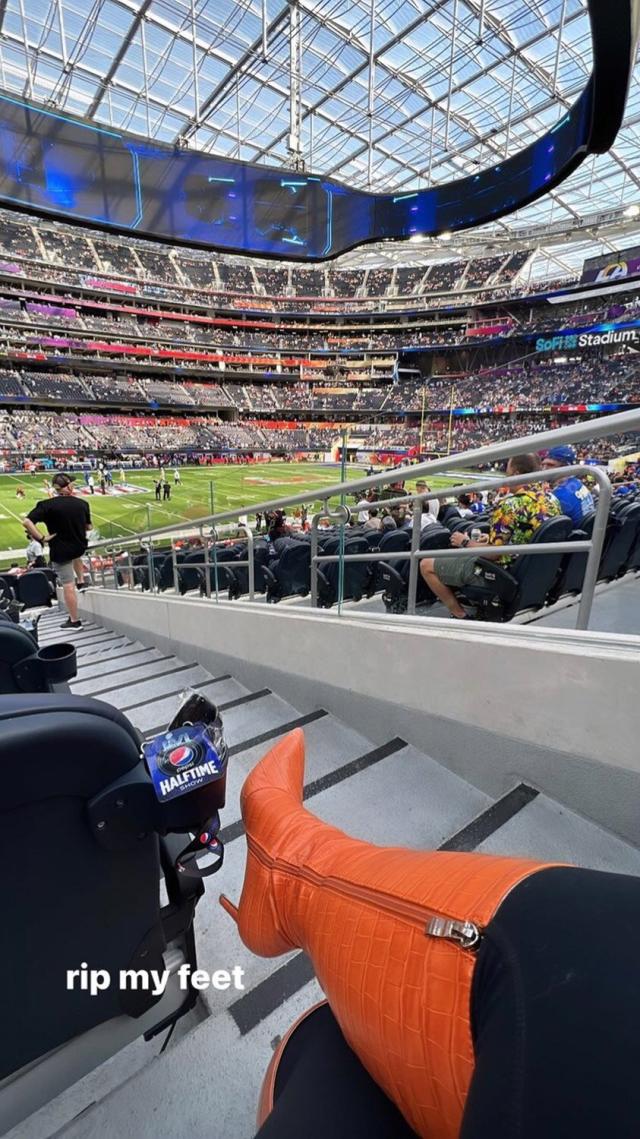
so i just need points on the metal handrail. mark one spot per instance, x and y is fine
(591, 428)
(248, 562)
(593, 545)
(341, 515)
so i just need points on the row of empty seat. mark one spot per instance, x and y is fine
(282, 569)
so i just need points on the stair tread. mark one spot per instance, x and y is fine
(111, 678)
(546, 829)
(156, 715)
(405, 799)
(108, 643)
(175, 1082)
(128, 659)
(134, 697)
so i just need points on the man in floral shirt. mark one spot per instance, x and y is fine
(514, 521)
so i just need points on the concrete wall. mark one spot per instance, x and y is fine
(496, 704)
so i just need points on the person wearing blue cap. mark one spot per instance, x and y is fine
(575, 499)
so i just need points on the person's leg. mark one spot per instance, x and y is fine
(555, 1011)
(78, 569)
(443, 592)
(322, 1091)
(67, 582)
(70, 595)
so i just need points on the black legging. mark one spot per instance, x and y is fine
(555, 1020)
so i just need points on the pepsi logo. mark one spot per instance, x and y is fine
(180, 757)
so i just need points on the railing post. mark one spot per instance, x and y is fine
(151, 568)
(130, 569)
(250, 568)
(174, 567)
(341, 515)
(205, 554)
(595, 553)
(214, 535)
(414, 564)
(114, 567)
(314, 553)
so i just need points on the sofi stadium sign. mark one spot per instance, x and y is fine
(590, 338)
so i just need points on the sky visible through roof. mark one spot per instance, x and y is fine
(394, 93)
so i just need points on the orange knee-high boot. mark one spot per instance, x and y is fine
(391, 934)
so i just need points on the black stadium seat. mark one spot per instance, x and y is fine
(26, 668)
(389, 541)
(6, 587)
(85, 890)
(572, 570)
(633, 561)
(618, 550)
(290, 574)
(355, 578)
(534, 576)
(394, 577)
(448, 516)
(240, 574)
(34, 589)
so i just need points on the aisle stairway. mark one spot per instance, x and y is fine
(386, 791)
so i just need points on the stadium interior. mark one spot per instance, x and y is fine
(286, 449)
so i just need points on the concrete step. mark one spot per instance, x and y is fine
(111, 679)
(129, 659)
(151, 718)
(106, 643)
(71, 636)
(111, 651)
(546, 829)
(213, 1073)
(405, 799)
(136, 696)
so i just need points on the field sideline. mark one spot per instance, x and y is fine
(122, 515)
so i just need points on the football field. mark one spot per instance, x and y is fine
(202, 491)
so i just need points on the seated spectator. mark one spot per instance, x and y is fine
(363, 505)
(576, 500)
(514, 521)
(400, 517)
(374, 521)
(429, 509)
(278, 527)
(464, 506)
(35, 554)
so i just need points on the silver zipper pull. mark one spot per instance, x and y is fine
(464, 933)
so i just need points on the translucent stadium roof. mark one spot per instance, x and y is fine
(379, 93)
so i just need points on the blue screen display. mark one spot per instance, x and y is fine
(55, 164)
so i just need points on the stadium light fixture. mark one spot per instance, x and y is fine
(445, 235)
(632, 211)
(418, 237)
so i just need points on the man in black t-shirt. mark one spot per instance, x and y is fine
(68, 520)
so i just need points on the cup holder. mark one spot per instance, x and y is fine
(59, 662)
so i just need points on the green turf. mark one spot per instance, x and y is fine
(121, 516)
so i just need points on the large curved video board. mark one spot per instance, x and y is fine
(55, 164)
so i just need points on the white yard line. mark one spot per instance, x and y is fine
(111, 522)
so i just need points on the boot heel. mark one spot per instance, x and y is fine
(229, 907)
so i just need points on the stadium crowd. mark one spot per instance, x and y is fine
(36, 246)
(30, 433)
(524, 386)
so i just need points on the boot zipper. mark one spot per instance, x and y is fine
(464, 933)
